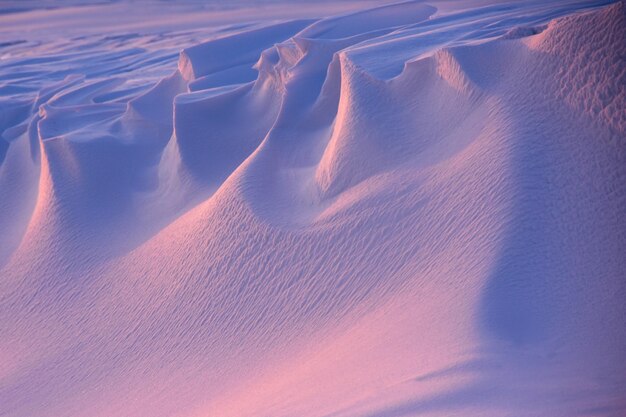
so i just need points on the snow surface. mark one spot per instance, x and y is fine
(347, 209)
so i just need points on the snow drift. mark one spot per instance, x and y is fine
(410, 209)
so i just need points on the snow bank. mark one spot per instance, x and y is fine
(409, 209)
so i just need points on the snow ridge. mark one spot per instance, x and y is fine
(399, 210)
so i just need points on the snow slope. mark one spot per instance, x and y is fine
(330, 209)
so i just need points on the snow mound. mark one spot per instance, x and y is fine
(408, 209)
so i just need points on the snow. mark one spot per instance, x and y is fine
(348, 209)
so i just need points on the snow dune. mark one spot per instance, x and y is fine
(319, 210)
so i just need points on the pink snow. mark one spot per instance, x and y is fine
(312, 209)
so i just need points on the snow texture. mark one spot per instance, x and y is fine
(347, 209)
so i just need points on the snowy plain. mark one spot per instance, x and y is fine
(312, 208)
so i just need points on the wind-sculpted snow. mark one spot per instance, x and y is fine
(411, 209)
